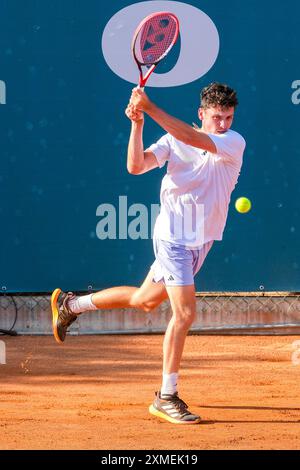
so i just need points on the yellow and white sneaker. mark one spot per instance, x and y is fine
(62, 316)
(173, 409)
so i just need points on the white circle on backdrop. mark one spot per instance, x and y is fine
(199, 43)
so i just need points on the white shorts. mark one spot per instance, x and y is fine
(176, 265)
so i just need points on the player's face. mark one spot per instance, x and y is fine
(216, 120)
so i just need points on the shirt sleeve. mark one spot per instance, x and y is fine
(161, 150)
(230, 146)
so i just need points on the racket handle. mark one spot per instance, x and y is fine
(141, 87)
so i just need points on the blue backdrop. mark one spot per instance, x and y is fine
(64, 135)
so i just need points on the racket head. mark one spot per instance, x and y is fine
(153, 39)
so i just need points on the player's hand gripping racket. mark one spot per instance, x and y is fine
(153, 40)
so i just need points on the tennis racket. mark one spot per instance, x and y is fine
(152, 41)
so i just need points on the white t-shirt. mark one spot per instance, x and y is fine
(195, 192)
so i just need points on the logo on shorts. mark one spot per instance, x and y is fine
(171, 278)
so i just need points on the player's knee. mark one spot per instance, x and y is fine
(139, 302)
(185, 318)
(146, 306)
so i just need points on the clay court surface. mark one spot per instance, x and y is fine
(94, 391)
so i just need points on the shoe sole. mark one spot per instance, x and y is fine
(159, 414)
(54, 309)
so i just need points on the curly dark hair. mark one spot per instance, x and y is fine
(218, 94)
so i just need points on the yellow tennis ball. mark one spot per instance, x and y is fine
(243, 205)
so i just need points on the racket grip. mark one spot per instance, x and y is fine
(141, 87)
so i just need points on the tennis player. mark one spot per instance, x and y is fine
(203, 168)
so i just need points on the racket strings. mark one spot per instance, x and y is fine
(155, 38)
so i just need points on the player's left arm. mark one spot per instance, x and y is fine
(177, 128)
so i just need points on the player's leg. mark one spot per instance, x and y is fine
(146, 297)
(66, 306)
(167, 404)
(183, 304)
(178, 267)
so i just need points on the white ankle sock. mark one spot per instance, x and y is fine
(169, 384)
(82, 304)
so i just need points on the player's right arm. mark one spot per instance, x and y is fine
(138, 160)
